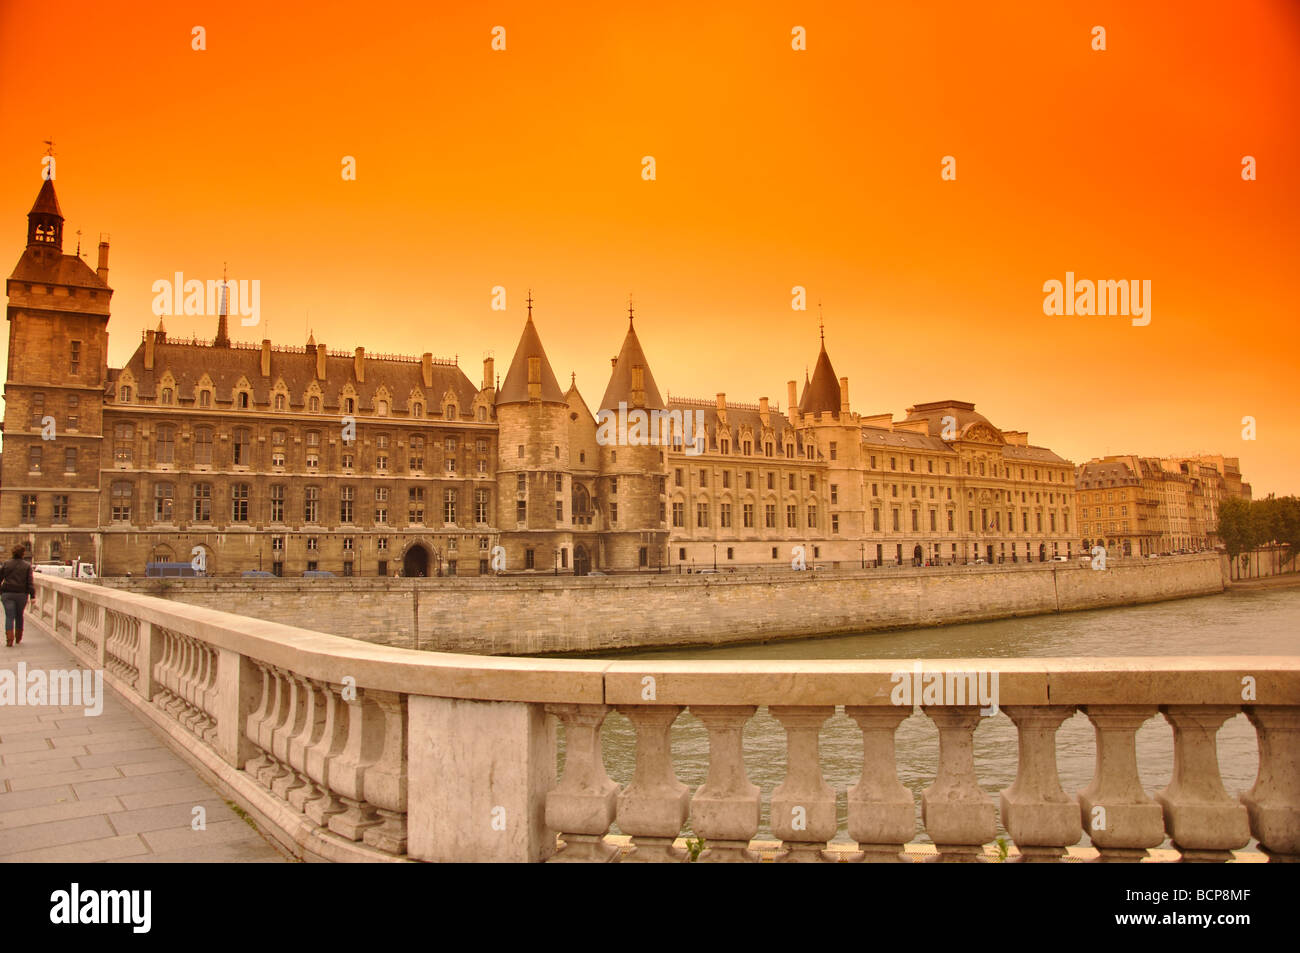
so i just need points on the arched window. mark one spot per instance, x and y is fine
(167, 396)
(482, 414)
(314, 405)
(280, 402)
(205, 398)
(242, 400)
(450, 412)
(125, 394)
(381, 408)
(349, 405)
(417, 409)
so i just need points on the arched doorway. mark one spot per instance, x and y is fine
(918, 555)
(581, 561)
(415, 564)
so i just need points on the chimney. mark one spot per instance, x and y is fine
(488, 366)
(426, 368)
(844, 396)
(534, 378)
(102, 270)
(792, 397)
(266, 357)
(148, 344)
(763, 413)
(359, 365)
(638, 385)
(722, 402)
(320, 362)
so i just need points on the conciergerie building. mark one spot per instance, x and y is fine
(288, 458)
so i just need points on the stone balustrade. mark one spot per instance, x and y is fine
(351, 751)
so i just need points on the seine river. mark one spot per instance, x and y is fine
(1241, 623)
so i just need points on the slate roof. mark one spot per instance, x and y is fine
(620, 381)
(823, 393)
(188, 362)
(514, 390)
(738, 417)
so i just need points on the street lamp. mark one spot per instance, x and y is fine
(715, 557)
(862, 553)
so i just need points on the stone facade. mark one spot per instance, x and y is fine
(286, 459)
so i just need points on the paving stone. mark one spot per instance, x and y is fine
(55, 833)
(218, 832)
(193, 792)
(231, 853)
(58, 812)
(86, 852)
(36, 768)
(144, 768)
(130, 756)
(64, 777)
(168, 816)
(37, 796)
(46, 754)
(119, 785)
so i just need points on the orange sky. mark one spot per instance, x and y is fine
(775, 168)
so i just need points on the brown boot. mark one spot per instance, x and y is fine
(9, 639)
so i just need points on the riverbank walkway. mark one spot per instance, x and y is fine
(84, 788)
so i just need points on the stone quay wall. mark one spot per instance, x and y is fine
(535, 615)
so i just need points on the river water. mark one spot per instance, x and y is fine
(1234, 623)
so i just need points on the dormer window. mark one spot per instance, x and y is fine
(205, 398)
(242, 400)
(166, 396)
(417, 409)
(450, 412)
(313, 405)
(125, 394)
(381, 408)
(349, 405)
(280, 402)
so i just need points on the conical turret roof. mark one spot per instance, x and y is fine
(515, 388)
(823, 393)
(620, 382)
(47, 203)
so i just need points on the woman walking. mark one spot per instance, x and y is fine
(17, 582)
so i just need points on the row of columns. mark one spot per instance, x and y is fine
(1121, 821)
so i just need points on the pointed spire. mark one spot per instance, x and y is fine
(524, 372)
(45, 220)
(223, 331)
(822, 393)
(632, 370)
(629, 309)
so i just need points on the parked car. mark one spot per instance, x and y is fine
(316, 574)
(258, 574)
(597, 572)
(1060, 559)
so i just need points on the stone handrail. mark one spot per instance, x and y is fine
(346, 750)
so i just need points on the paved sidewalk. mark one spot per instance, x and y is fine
(78, 789)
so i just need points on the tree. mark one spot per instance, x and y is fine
(1236, 526)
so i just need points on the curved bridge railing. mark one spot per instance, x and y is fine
(351, 751)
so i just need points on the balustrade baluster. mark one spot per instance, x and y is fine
(1121, 821)
(1203, 822)
(1040, 817)
(365, 725)
(293, 725)
(803, 814)
(313, 722)
(655, 805)
(882, 812)
(255, 725)
(321, 755)
(1273, 803)
(957, 814)
(582, 806)
(725, 808)
(386, 777)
